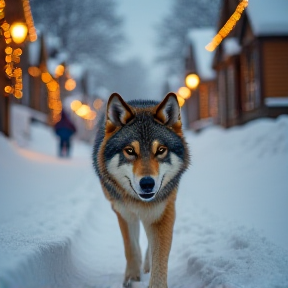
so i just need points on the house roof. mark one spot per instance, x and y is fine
(268, 17)
(199, 38)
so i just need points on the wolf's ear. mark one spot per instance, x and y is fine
(168, 111)
(118, 112)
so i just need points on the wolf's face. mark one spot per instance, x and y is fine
(146, 153)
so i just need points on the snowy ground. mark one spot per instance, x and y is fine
(57, 229)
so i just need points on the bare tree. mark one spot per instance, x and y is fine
(90, 29)
(172, 30)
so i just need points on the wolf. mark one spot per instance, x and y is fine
(139, 156)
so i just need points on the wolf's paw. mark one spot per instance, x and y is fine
(131, 274)
(128, 281)
(146, 268)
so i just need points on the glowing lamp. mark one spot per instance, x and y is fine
(18, 32)
(192, 81)
(184, 92)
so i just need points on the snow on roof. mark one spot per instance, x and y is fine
(268, 17)
(199, 38)
(231, 46)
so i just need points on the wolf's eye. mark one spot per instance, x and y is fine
(161, 150)
(130, 151)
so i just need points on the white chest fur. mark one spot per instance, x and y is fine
(148, 214)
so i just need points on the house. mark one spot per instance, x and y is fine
(13, 13)
(201, 107)
(45, 55)
(252, 63)
(37, 96)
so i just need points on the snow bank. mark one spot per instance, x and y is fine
(43, 201)
(58, 230)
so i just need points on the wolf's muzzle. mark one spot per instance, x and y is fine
(147, 184)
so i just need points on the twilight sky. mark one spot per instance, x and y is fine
(141, 17)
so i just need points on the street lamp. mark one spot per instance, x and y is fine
(18, 32)
(192, 81)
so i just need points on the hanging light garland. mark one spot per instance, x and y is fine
(12, 57)
(29, 20)
(229, 25)
(54, 100)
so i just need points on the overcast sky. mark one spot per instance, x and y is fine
(140, 19)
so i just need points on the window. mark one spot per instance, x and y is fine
(251, 98)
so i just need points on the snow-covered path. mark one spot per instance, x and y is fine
(57, 229)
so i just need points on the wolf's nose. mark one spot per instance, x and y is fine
(147, 184)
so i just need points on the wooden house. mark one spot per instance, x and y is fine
(37, 63)
(252, 63)
(201, 107)
(14, 12)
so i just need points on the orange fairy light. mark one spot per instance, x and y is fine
(97, 104)
(229, 25)
(29, 20)
(70, 84)
(9, 89)
(18, 93)
(52, 85)
(59, 71)
(184, 92)
(46, 77)
(91, 115)
(34, 71)
(75, 105)
(83, 110)
(181, 101)
(8, 50)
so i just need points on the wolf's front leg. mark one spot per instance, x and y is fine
(130, 230)
(160, 239)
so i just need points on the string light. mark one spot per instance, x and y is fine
(29, 20)
(59, 71)
(181, 101)
(229, 25)
(184, 92)
(70, 84)
(97, 104)
(34, 71)
(2, 6)
(12, 56)
(54, 99)
(75, 105)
